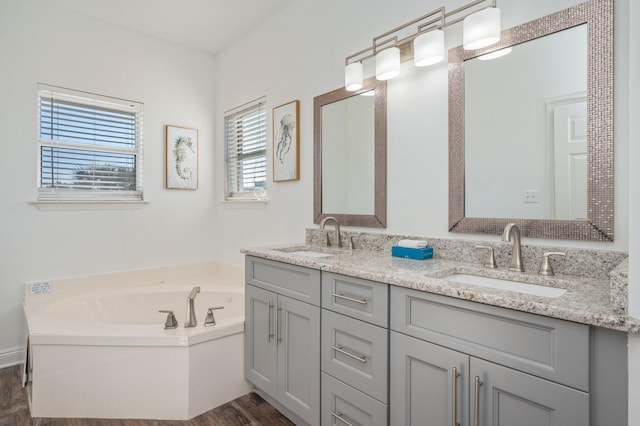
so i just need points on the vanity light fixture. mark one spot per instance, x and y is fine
(481, 28)
(428, 48)
(388, 63)
(353, 76)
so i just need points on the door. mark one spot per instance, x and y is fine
(429, 383)
(259, 338)
(506, 397)
(570, 160)
(298, 336)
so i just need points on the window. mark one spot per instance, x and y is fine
(90, 147)
(246, 152)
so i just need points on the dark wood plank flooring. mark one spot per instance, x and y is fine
(248, 410)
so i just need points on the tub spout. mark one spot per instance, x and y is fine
(191, 320)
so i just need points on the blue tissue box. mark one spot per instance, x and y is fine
(412, 253)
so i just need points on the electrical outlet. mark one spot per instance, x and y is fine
(530, 196)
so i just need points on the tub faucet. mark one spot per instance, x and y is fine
(191, 320)
(516, 254)
(337, 226)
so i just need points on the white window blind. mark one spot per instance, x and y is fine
(246, 151)
(90, 147)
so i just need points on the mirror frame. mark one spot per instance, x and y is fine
(379, 217)
(598, 15)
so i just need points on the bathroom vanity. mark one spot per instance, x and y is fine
(337, 336)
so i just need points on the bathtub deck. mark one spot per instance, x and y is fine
(247, 410)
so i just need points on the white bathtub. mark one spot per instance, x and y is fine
(98, 347)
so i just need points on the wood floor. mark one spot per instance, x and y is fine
(247, 410)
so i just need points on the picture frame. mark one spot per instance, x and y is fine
(182, 157)
(286, 142)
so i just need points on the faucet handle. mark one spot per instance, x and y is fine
(171, 321)
(490, 261)
(545, 267)
(210, 320)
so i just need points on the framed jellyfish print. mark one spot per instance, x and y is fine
(182, 157)
(286, 142)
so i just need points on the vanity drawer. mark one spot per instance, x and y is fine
(341, 404)
(550, 348)
(357, 298)
(294, 281)
(356, 352)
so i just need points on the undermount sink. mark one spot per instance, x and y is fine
(309, 253)
(500, 284)
(306, 252)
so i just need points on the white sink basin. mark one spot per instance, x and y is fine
(532, 289)
(309, 253)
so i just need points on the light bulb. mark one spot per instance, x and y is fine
(388, 63)
(428, 48)
(481, 29)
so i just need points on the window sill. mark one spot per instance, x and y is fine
(88, 205)
(248, 202)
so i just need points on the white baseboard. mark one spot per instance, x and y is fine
(12, 356)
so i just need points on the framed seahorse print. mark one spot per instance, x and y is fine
(286, 142)
(182, 157)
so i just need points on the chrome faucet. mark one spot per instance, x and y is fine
(516, 255)
(337, 226)
(191, 320)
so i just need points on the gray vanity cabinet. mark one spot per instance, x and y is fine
(282, 336)
(453, 361)
(354, 348)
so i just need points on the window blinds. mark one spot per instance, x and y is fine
(90, 147)
(246, 145)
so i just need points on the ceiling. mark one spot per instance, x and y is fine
(206, 25)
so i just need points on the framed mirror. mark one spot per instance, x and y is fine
(531, 132)
(350, 155)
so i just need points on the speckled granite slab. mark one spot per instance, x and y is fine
(579, 262)
(588, 299)
(619, 282)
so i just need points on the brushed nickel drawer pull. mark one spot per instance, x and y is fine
(269, 321)
(454, 396)
(476, 402)
(362, 359)
(350, 299)
(278, 325)
(339, 417)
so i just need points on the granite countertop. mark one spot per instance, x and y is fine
(586, 301)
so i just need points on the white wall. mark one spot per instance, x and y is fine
(41, 43)
(300, 53)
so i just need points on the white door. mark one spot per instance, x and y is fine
(570, 160)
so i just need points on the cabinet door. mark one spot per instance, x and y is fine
(424, 390)
(259, 338)
(506, 397)
(298, 335)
